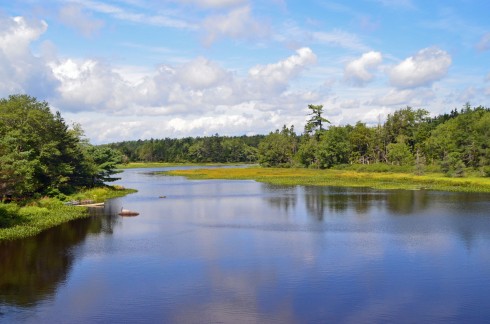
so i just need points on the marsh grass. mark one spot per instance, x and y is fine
(23, 221)
(143, 165)
(343, 178)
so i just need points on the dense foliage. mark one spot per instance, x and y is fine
(218, 149)
(41, 155)
(409, 138)
(453, 142)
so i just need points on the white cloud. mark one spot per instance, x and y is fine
(484, 43)
(469, 94)
(359, 72)
(20, 70)
(274, 78)
(404, 97)
(73, 16)
(196, 89)
(160, 19)
(424, 68)
(237, 24)
(90, 85)
(201, 74)
(341, 39)
(350, 103)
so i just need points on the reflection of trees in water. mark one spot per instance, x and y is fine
(405, 202)
(320, 200)
(31, 269)
(284, 197)
(472, 222)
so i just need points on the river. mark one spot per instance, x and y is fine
(215, 251)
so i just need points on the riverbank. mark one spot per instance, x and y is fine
(23, 221)
(146, 165)
(342, 178)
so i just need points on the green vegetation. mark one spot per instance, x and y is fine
(41, 156)
(451, 143)
(18, 221)
(211, 149)
(456, 144)
(342, 178)
(43, 162)
(143, 165)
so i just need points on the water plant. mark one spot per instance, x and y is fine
(343, 178)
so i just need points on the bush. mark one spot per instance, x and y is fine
(375, 167)
(9, 215)
(486, 171)
(452, 165)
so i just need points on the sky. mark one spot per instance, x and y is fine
(141, 69)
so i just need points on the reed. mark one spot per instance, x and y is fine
(143, 165)
(342, 178)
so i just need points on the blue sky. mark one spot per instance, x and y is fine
(138, 69)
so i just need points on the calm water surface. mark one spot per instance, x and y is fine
(245, 252)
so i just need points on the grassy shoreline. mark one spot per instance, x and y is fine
(144, 165)
(343, 178)
(18, 222)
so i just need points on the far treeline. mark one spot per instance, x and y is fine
(41, 156)
(452, 143)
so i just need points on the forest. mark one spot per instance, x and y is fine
(451, 143)
(40, 155)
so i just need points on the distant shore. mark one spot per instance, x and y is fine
(145, 165)
(342, 178)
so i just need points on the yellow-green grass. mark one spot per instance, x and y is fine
(145, 165)
(341, 178)
(22, 221)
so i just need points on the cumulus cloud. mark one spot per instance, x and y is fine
(237, 24)
(359, 72)
(484, 43)
(422, 69)
(72, 15)
(192, 98)
(201, 74)
(194, 88)
(20, 69)
(274, 78)
(90, 85)
(397, 97)
(350, 103)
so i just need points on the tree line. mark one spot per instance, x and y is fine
(41, 155)
(209, 149)
(409, 137)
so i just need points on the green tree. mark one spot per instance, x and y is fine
(360, 138)
(278, 148)
(334, 147)
(468, 134)
(39, 153)
(316, 121)
(399, 153)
